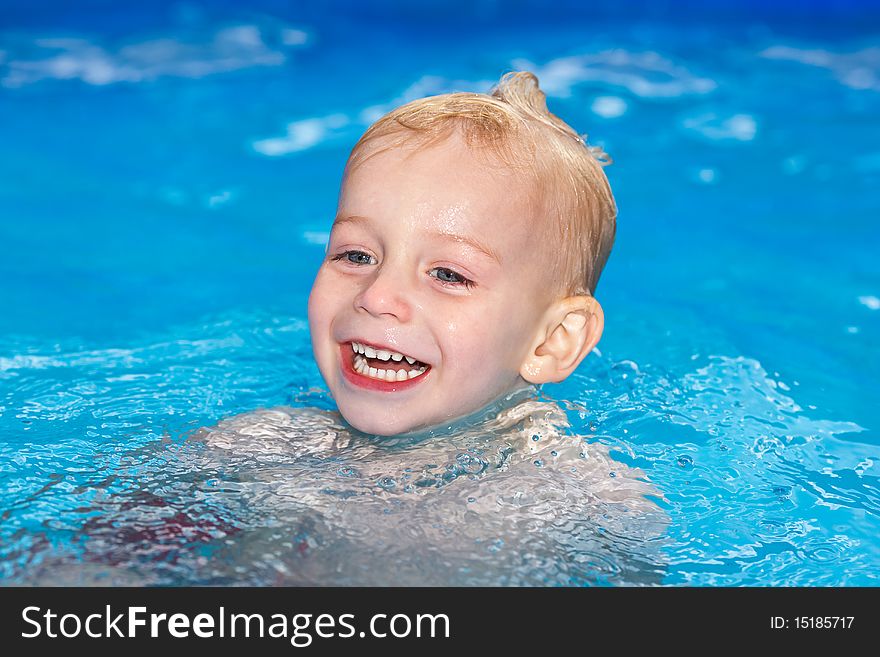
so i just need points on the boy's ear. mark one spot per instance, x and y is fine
(568, 332)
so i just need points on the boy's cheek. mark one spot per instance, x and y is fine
(320, 303)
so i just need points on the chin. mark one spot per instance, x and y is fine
(377, 426)
(388, 426)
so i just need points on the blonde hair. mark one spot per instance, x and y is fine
(513, 124)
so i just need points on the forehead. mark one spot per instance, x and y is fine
(445, 187)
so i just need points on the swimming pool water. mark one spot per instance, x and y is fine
(168, 174)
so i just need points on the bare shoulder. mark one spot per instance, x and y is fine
(544, 435)
(277, 429)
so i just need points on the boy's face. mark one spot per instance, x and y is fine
(409, 231)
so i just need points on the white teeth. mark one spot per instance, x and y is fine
(361, 367)
(381, 354)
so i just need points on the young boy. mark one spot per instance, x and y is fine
(470, 235)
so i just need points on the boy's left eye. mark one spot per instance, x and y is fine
(449, 277)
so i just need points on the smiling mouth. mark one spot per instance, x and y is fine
(385, 365)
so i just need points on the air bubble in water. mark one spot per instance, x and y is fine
(387, 483)
(347, 471)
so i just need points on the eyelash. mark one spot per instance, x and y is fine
(464, 282)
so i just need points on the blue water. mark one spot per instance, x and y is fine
(168, 173)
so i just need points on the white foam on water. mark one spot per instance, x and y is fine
(857, 70)
(320, 238)
(713, 389)
(101, 358)
(220, 198)
(645, 74)
(228, 49)
(609, 107)
(302, 135)
(707, 176)
(870, 301)
(738, 127)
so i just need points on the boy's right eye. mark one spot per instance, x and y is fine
(354, 257)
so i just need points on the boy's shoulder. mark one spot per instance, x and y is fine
(544, 435)
(281, 429)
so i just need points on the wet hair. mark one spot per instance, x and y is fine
(512, 127)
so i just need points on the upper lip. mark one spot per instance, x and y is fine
(376, 345)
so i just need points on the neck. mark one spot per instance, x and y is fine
(472, 420)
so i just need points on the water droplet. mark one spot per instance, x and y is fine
(539, 462)
(723, 448)
(685, 461)
(612, 474)
(347, 471)
(554, 453)
(472, 499)
(624, 374)
(536, 437)
(470, 464)
(387, 483)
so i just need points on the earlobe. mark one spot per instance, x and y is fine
(570, 330)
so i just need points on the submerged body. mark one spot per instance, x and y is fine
(503, 497)
(295, 496)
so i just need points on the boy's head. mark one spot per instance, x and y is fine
(470, 234)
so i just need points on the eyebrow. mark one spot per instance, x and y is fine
(444, 235)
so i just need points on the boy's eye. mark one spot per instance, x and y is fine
(449, 277)
(355, 257)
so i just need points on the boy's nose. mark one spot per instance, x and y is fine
(385, 294)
